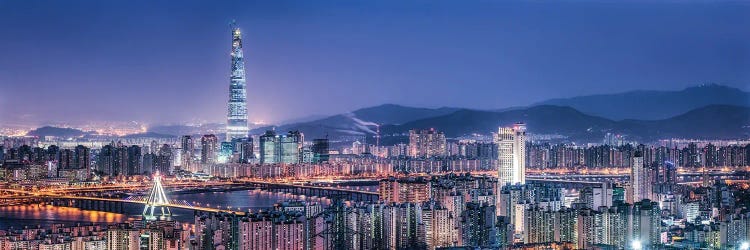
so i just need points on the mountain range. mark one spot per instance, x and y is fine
(362, 121)
(705, 112)
(56, 131)
(652, 104)
(710, 122)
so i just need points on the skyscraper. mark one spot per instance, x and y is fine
(105, 160)
(511, 144)
(83, 158)
(208, 149)
(237, 110)
(320, 150)
(135, 162)
(120, 160)
(66, 159)
(276, 148)
(188, 146)
(244, 148)
(638, 179)
(163, 161)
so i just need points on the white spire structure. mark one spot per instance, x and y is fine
(157, 199)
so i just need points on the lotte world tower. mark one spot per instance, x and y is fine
(237, 110)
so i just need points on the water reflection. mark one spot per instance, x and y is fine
(244, 200)
(34, 215)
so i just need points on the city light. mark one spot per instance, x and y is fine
(158, 136)
(637, 245)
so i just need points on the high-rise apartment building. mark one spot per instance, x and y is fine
(478, 225)
(404, 189)
(83, 157)
(149, 161)
(426, 143)
(164, 159)
(638, 178)
(105, 160)
(646, 223)
(511, 144)
(134, 160)
(66, 159)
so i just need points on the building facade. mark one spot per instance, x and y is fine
(237, 110)
(426, 143)
(287, 148)
(209, 145)
(511, 144)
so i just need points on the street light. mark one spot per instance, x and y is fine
(637, 245)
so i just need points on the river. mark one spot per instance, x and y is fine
(244, 200)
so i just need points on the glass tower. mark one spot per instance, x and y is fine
(237, 110)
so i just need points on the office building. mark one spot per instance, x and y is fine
(285, 148)
(320, 150)
(237, 110)
(187, 148)
(511, 144)
(209, 146)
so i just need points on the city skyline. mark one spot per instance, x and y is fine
(429, 125)
(292, 59)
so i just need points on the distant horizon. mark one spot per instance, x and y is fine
(79, 61)
(319, 116)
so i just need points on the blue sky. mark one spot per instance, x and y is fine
(168, 61)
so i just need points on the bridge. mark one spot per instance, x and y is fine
(566, 183)
(115, 205)
(156, 200)
(312, 190)
(136, 187)
(682, 178)
(582, 178)
(292, 188)
(78, 196)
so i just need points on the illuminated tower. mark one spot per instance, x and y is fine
(638, 179)
(511, 145)
(157, 199)
(237, 110)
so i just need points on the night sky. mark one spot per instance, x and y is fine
(168, 61)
